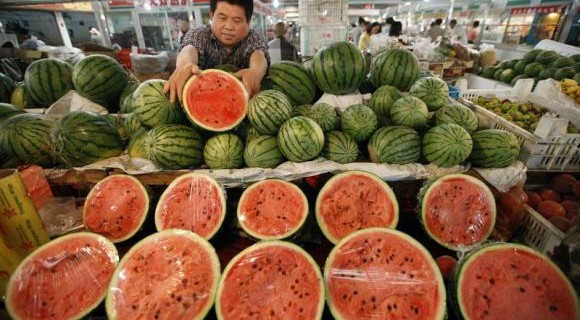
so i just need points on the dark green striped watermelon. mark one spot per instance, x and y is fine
(324, 114)
(8, 110)
(359, 122)
(99, 78)
(410, 112)
(395, 145)
(507, 75)
(577, 78)
(488, 72)
(382, 100)
(300, 139)
(263, 152)
(267, 111)
(533, 69)
(575, 57)
(126, 98)
(531, 55)
(25, 139)
(546, 73)
(494, 148)
(340, 147)
(339, 68)
(563, 62)
(47, 80)
(447, 145)
(457, 114)
(547, 57)
(294, 81)
(395, 67)
(7, 85)
(133, 124)
(564, 73)
(83, 137)
(224, 151)
(174, 146)
(433, 91)
(153, 107)
(520, 67)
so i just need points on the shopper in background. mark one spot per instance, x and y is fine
(388, 23)
(96, 37)
(365, 37)
(473, 32)
(183, 25)
(228, 40)
(396, 33)
(435, 31)
(457, 34)
(280, 48)
(358, 31)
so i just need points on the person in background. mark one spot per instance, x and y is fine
(457, 33)
(227, 40)
(375, 28)
(96, 37)
(290, 32)
(358, 31)
(435, 31)
(396, 32)
(388, 24)
(473, 32)
(365, 37)
(280, 48)
(183, 25)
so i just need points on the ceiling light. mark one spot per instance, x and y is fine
(276, 3)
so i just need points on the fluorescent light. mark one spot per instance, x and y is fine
(276, 3)
(147, 6)
(408, 3)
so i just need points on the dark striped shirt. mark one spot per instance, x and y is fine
(211, 52)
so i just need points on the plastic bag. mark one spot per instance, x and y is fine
(72, 101)
(424, 49)
(149, 64)
(549, 95)
(68, 54)
(61, 215)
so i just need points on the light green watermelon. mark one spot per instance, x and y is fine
(340, 147)
(358, 121)
(395, 145)
(410, 112)
(224, 151)
(447, 145)
(300, 139)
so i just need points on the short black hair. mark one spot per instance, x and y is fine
(361, 20)
(390, 20)
(453, 21)
(476, 23)
(247, 5)
(438, 21)
(376, 24)
(396, 29)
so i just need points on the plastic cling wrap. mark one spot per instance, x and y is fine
(272, 209)
(271, 280)
(64, 279)
(379, 273)
(194, 202)
(457, 211)
(9, 260)
(169, 275)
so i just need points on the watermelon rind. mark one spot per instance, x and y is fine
(330, 272)
(192, 176)
(247, 253)
(158, 238)
(464, 264)
(144, 214)
(432, 186)
(107, 246)
(291, 231)
(336, 178)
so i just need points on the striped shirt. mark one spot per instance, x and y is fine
(211, 52)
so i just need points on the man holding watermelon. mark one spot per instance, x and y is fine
(228, 40)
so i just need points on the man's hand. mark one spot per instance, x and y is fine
(177, 80)
(251, 80)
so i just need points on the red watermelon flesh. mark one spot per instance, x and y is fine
(116, 207)
(272, 209)
(458, 211)
(66, 278)
(215, 100)
(509, 281)
(271, 280)
(169, 275)
(193, 202)
(355, 200)
(379, 273)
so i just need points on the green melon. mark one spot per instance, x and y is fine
(152, 106)
(263, 152)
(577, 78)
(494, 148)
(563, 62)
(395, 145)
(488, 72)
(410, 112)
(339, 68)
(126, 98)
(136, 147)
(564, 73)
(516, 78)
(174, 146)
(301, 110)
(531, 55)
(340, 147)
(547, 73)
(358, 121)
(382, 100)
(533, 69)
(520, 67)
(300, 139)
(433, 91)
(224, 151)
(7, 85)
(133, 124)
(99, 78)
(447, 145)
(47, 80)
(575, 57)
(294, 81)
(507, 75)
(25, 139)
(8, 110)
(547, 57)
(497, 74)
(324, 114)
(267, 111)
(396, 67)
(457, 114)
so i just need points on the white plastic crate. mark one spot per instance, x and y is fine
(548, 151)
(322, 12)
(313, 38)
(539, 233)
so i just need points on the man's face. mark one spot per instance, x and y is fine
(452, 24)
(229, 23)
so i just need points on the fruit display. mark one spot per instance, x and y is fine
(571, 88)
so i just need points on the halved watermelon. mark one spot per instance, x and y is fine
(64, 279)
(271, 280)
(511, 281)
(172, 274)
(194, 202)
(379, 273)
(458, 211)
(116, 207)
(355, 200)
(272, 209)
(215, 100)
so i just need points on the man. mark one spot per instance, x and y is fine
(435, 31)
(183, 25)
(228, 40)
(357, 31)
(96, 37)
(473, 33)
(457, 34)
(280, 48)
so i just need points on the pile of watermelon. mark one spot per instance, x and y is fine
(536, 64)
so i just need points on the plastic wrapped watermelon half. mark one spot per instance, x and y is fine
(379, 273)
(172, 274)
(271, 280)
(194, 202)
(355, 200)
(272, 209)
(64, 279)
(215, 100)
(511, 281)
(116, 207)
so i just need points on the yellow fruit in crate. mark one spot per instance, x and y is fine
(572, 95)
(578, 91)
(571, 89)
(577, 101)
(568, 83)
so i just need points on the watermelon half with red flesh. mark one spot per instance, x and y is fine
(458, 211)
(116, 207)
(355, 200)
(511, 281)
(215, 100)
(194, 202)
(64, 279)
(271, 280)
(171, 274)
(380, 273)
(272, 209)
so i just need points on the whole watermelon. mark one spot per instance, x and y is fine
(395, 67)
(300, 139)
(7, 85)
(488, 72)
(339, 68)
(294, 81)
(533, 69)
(152, 106)
(224, 151)
(25, 139)
(47, 80)
(358, 121)
(563, 62)
(99, 78)
(547, 73)
(520, 66)
(382, 100)
(457, 114)
(564, 73)
(497, 74)
(433, 91)
(395, 145)
(174, 146)
(409, 112)
(126, 98)
(547, 57)
(507, 75)
(494, 148)
(447, 145)
(531, 55)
